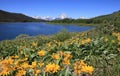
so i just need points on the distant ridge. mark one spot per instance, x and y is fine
(113, 18)
(16, 17)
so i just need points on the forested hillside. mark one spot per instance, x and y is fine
(15, 17)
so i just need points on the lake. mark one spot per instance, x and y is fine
(11, 30)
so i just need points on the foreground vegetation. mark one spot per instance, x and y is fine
(91, 53)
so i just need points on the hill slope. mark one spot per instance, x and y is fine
(15, 17)
(112, 18)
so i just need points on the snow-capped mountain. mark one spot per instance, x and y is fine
(61, 16)
(47, 18)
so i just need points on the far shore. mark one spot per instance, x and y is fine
(80, 24)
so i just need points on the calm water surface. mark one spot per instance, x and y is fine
(11, 30)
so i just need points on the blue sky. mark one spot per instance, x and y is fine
(53, 8)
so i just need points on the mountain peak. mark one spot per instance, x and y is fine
(62, 16)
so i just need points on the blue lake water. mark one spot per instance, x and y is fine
(11, 30)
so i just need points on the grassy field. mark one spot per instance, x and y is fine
(90, 53)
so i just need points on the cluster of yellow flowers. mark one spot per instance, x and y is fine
(81, 66)
(34, 44)
(79, 41)
(55, 56)
(21, 72)
(118, 38)
(88, 40)
(52, 68)
(24, 63)
(119, 49)
(118, 42)
(11, 64)
(41, 53)
(66, 59)
(6, 66)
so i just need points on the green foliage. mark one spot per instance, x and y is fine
(62, 35)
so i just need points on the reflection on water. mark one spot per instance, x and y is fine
(11, 30)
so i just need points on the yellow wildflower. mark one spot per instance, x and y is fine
(61, 53)
(88, 40)
(23, 60)
(55, 56)
(88, 69)
(82, 42)
(41, 64)
(34, 44)
(25, 65)
(113, 41)
(37, 72)
(113, 33)
(48, 44)
(118, 38)
(80, 66)
(16, 67)
(52, 68)
(82, 63)
(16, 62)
(4, 72)
(66, 61)
(105, 39)
(15, 57)
(119, 49)
(67, 55)
(83, 34)
(41, 53)
(21, 72)
(77, 67)
(119, 43)
(7, 61)
(26, 56)
(34, 64)
(59, 43)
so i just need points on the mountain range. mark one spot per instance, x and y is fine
(49, 18)
(113, 18)
(18, 17)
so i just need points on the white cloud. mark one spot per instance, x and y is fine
(47, 18)
(83, 17)
(62, 16)
(36, 17)
(43, 17)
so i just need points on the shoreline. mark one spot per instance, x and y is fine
(79, 24)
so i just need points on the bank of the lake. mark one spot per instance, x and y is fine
(79, 24)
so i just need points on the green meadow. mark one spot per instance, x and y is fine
(91, 53)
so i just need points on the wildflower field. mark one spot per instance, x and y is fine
(90, 53)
